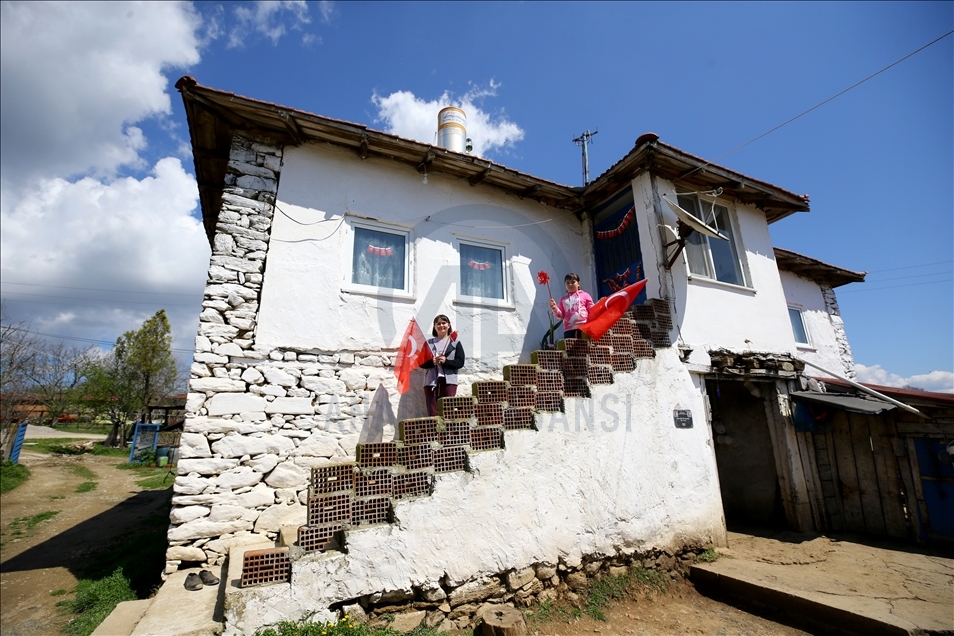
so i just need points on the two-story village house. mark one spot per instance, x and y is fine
(303, 464)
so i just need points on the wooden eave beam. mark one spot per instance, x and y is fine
(291, 126)
(480, 176)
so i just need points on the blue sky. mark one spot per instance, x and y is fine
(97, 189)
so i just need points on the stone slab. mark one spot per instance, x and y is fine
(819, 582)
(176, 610)
(123, 619)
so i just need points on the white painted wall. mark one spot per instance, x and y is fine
(625, 477)
(805, 294)
(710, 314)
(305, 302)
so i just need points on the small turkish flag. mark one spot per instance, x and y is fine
(608, 310)
(413, 353)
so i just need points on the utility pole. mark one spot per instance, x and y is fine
(583, 140)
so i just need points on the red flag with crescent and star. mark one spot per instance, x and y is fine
(608, 310)
(412, 353)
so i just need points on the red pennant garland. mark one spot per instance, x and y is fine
(478, 265)
(608, 234)
(380, 251)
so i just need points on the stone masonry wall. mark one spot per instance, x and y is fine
(844, 349)
(257, 420)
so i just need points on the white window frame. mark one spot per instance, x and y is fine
(808, 334)
(506, 266)
(705, 204)
(407, 293)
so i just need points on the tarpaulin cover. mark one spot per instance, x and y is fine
(844, 402)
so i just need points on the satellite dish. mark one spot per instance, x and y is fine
(686, 224)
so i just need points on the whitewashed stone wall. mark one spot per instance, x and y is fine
(841, 338)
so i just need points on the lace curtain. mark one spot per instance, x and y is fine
(481, 271)
(379, 259)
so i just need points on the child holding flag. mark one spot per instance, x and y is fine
(573, 308)
(447, 358)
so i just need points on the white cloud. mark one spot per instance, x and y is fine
(63, 239)
(412, 117)
(77, 79)
(76, 76)
(938, 381)
(327, 10)
(268, 18)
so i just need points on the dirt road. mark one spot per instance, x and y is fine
(54, 553)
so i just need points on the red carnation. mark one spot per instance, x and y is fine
(453, 336)
(543, 278)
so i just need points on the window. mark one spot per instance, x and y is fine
(380, 258)
(798, 326)
(712, 257)
(481, 271)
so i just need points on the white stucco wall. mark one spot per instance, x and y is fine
(824, 349)
(624, 477)
(710, 314)
(305, 300)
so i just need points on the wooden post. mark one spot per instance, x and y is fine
(504, 621)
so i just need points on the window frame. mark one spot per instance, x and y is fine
(348, 286)
(801, 318)
(506, 272)
(735, 241)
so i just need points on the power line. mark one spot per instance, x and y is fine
(884, 280)
(108, 300)
(893, 269)
(79, 339)
(818, 105)
(856, 291)
(120, 291)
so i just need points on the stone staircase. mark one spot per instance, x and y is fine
(350, 497)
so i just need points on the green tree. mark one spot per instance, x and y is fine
(139, 371)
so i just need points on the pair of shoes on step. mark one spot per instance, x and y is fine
(195, 581)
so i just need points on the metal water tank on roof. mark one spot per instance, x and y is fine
(452, 129)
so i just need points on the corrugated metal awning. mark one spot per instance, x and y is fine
(845, 402)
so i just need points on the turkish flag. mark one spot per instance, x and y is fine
(413, 353)
(608, 310)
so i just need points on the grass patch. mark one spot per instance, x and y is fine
(55, 445)
(603, 591)
(12, 475)
(82, 471)
(59, 592)
(35, 520)
(67, 446)
(157, 482)
(21, 525)
(109, 451)
(709, 556)
(650, 580)
(601, 594)
(94, 601)
(86, 486)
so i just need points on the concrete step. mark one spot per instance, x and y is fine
(123, 620)
(176, 610)
(760, 589)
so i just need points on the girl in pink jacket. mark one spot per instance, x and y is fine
(574, 308)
